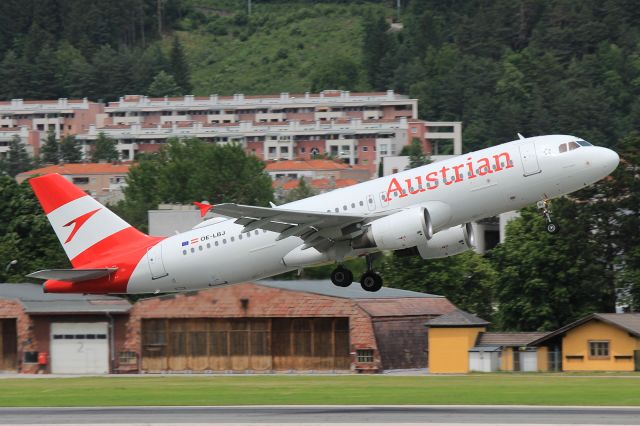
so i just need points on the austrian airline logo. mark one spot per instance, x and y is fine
(78, 222)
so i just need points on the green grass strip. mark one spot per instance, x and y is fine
(351, 390)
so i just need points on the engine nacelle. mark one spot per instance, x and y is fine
(407, 228)
(448, 242)
(400, 230)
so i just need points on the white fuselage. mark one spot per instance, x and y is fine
(475, 185)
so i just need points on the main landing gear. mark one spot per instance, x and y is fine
(370, 280)
(552, 227)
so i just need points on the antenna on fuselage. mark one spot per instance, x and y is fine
(521, 137)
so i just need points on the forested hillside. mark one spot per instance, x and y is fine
(500, 67)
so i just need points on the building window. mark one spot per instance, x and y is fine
(599, 349)
(80, 180)
(364, 355)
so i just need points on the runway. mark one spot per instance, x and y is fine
(314, 415)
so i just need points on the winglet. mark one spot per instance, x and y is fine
(521, 137)
(204, 207)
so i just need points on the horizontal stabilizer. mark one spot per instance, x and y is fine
(72, 275)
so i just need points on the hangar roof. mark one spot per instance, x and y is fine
(35, 301)
(354, 291)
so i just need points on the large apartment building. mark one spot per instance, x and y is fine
(358, 128)
(32, 120)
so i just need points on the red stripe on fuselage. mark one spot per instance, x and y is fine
(124, 250)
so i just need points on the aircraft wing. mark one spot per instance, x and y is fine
(72, 275)
(317, 229)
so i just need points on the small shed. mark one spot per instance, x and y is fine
(484, 358)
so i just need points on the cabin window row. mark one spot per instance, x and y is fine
(224, 241)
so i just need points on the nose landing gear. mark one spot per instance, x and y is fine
(552, 227)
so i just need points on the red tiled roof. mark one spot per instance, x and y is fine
(508, 338)
(406, 306)
(305, 165)
(81, 169)
(316, 183)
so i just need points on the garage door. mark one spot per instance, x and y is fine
(79, 348)
(256, 344)
(8, 345)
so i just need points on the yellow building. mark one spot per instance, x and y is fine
(451, 336)
(598, 342)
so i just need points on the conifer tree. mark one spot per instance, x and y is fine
(17, 160)
(50, 150)
(164, 85)
(70, 150)
(104, 149)
(179, 67)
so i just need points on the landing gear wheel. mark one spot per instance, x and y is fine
(552, 227)
(371, 281)
(342, 277)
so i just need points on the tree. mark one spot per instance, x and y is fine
(300, 192)
(466, 279)
(548, 280)
(416, 156)
(12, 76)
(190, 170)
(164, 85)
(339, 72)
(104, 149)
(72, 71)
(376, 45)
(50, 150)
(70, 151)
(179, 67)
(613, 211)
(25, 234)
(17, 160)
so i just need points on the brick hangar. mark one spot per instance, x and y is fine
(270, 326)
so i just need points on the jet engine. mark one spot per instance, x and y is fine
(449, 242)
(404, 229)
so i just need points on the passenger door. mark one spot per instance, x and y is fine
(529, 158)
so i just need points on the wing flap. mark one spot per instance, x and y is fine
(316, 229)
(72, 275)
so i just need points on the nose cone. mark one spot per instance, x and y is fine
(609, 159)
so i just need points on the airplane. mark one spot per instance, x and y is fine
(426, 211)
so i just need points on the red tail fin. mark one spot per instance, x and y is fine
(88, 231)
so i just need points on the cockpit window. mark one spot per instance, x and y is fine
(583, 142)
(564, 147)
